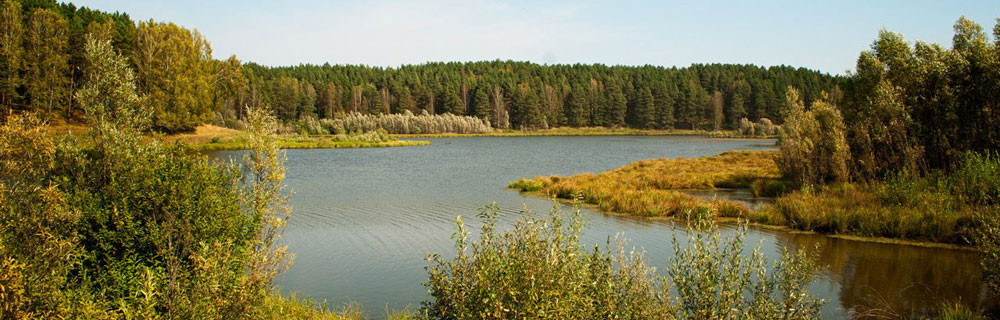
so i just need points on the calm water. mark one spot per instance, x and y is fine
(364, 219)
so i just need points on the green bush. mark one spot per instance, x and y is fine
(977, 178)
(539, 270)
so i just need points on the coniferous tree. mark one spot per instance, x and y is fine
(481, 107)
(577, 106)
(617, 106)
(642, 114)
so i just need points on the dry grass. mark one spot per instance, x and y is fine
(650, 187)
(214, 138)
(204, 134)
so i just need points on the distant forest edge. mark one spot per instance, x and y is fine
(42, 64)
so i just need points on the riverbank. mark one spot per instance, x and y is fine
(583, 131)
(910, 211)
(214, 138)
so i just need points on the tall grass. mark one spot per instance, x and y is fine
(650, 188)
(541, 270)
(396, 123)
(941, 207)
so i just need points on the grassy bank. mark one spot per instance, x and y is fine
(213, 138)
(309, 143)
(570, 131)
(931, 208)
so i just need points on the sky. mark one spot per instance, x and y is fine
(821, 35)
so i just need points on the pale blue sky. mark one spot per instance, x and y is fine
(823, 35)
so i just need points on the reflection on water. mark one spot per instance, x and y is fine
(365, 218)
(903, 279)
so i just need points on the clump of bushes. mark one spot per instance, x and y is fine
(541, 270)
(763, 127)
(813, 149)
(396, 123)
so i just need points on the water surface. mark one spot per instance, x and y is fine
(364, 219)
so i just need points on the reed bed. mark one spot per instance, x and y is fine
(396, 123)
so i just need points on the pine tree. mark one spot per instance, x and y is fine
(642, 116)
(577, 107)
(481, 107)
(617, 107)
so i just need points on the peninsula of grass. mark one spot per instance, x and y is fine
(307, 143)
(653, 188)
(920, 209)
(212, 138)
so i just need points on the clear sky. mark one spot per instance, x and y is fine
(823, 35)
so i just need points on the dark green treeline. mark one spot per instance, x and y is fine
(536, 96)
(41, 64)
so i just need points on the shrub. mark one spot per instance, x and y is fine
(987, 237)
(539, 270)
(714, 281)
(977, 178)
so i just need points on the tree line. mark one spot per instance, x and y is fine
(524, 95)
(41, 64)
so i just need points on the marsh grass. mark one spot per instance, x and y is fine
(650, 187)
(952, 207)
(377, 139)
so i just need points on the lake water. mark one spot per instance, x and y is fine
(364, 219)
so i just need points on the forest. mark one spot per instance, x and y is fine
(42, 66)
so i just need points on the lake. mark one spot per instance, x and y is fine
(364, 219)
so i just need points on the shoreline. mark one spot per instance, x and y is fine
(753, 224)
(588, 131)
